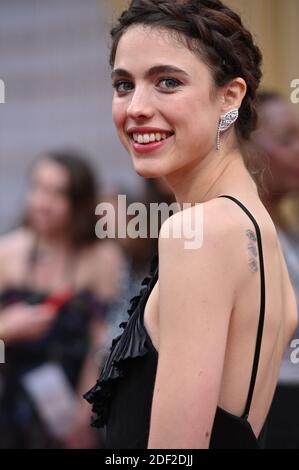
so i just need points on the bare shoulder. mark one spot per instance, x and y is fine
(15, 242)
(14, 247)
(208, 230)
(219, 235)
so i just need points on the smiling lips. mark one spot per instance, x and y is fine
(148, 139)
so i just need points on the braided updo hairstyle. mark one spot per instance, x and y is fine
(215, 33)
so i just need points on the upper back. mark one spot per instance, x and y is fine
(265, 280)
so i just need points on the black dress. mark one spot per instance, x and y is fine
(65, 343)
(122, 396)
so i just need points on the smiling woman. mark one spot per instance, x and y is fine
(197, 363)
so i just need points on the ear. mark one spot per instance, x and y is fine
(233, 94)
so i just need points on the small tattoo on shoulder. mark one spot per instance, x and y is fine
(252, 249)
(253, 265)
(251, 235)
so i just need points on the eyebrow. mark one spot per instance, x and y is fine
(151, 72)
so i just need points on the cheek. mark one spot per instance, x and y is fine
(60, 210)
(196, 116)
(197, 130)
(119, 114)
(280, 164)
(65, 210)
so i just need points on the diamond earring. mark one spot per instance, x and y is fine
(225, 122)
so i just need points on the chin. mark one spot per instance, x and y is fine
(148, 167)
(147, 172)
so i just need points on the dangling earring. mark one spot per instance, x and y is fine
(225, 122)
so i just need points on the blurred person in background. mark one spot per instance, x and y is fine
(57, 280)
(141, 250)
(138, 251)
(277, 138)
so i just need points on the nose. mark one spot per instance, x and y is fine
(141, 106)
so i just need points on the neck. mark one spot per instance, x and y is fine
(54, 243)
(211, 177)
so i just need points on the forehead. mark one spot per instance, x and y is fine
(51, 171)
(143, 46)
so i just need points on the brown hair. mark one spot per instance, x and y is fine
(82, 192)
(213, 31)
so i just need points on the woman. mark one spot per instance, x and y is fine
(197, 363)
(56, 282)
(277, 136)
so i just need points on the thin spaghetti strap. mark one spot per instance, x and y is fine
(262, 308)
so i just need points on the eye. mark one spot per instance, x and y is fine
(170, 83)
(122, 86)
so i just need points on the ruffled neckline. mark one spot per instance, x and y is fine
(131, 343)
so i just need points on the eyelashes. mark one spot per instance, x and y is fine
(118, 84)
(171, 80)
(125, 86)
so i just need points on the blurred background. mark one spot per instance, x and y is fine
(57, 142)
(54, 62)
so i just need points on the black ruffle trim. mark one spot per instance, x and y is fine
(126, 346)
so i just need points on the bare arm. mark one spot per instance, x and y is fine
(107, 269)
(21, 322)
(195, 304)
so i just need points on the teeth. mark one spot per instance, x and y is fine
(147, 138)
